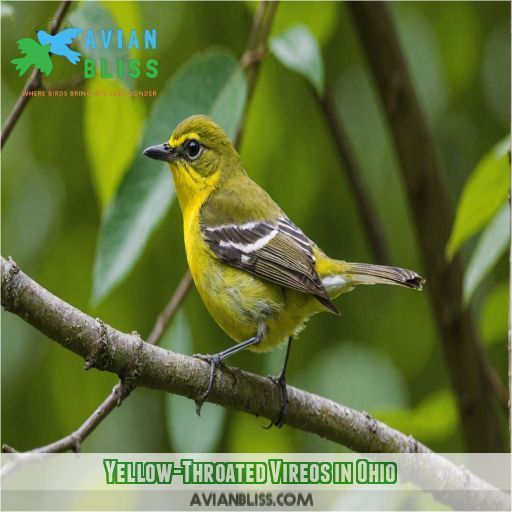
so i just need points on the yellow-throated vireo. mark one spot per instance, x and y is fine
(258, 274)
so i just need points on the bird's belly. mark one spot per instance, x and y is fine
(237, 301)
(290, 321)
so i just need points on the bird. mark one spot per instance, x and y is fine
(260, 277)
(60, 41)
(35, 54)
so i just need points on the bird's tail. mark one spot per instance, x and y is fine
(22, 64)
(340, 277)
(365, 273)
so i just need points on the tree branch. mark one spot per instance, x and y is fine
(433, 217)
(122, 389)
(141, 364)
(34, 81)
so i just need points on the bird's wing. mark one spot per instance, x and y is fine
(275, 250)
(28, 46)
(67, 35)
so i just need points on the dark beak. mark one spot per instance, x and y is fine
(161, 152)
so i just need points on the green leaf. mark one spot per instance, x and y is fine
(322, 20)
(211, 83)
(94, 14)
(433, 419)
(485, 191)
(495, 314)
(492, 244)
(111, 146)
(186, 431)
(298, 50)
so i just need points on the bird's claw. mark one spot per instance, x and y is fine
(214, 361)
(280, 381)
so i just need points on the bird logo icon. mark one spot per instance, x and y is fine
(59, 43)
(34, 55)
(38, 53)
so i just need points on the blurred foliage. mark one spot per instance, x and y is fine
(76, 189)
(139, 204)
(298, 50)
(184, 431)
(493, 242)
(321, 20)
(355, 361)
(495, 314)
(6, 10)
(485, 191)
(418, 421)
(126, 117)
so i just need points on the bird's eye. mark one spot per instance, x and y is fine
(193, 149)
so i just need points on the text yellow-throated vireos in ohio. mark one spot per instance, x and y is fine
(258, 274)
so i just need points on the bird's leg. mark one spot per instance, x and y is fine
(216, 360)
(280, 380)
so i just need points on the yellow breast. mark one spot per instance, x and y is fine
(238, 301)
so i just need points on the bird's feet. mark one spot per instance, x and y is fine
(214, 361)
(281, 383)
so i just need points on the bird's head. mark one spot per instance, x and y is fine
(199, 154)
(43, 37)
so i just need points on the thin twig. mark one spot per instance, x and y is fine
(74, 440)
(150, 366)
(166, 316)
(255, 52)
(254, 33)
(432, 215)
(365, 205)
(33, 83)
(261, 26)
(257, 41)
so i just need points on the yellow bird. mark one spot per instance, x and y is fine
(259, 275)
